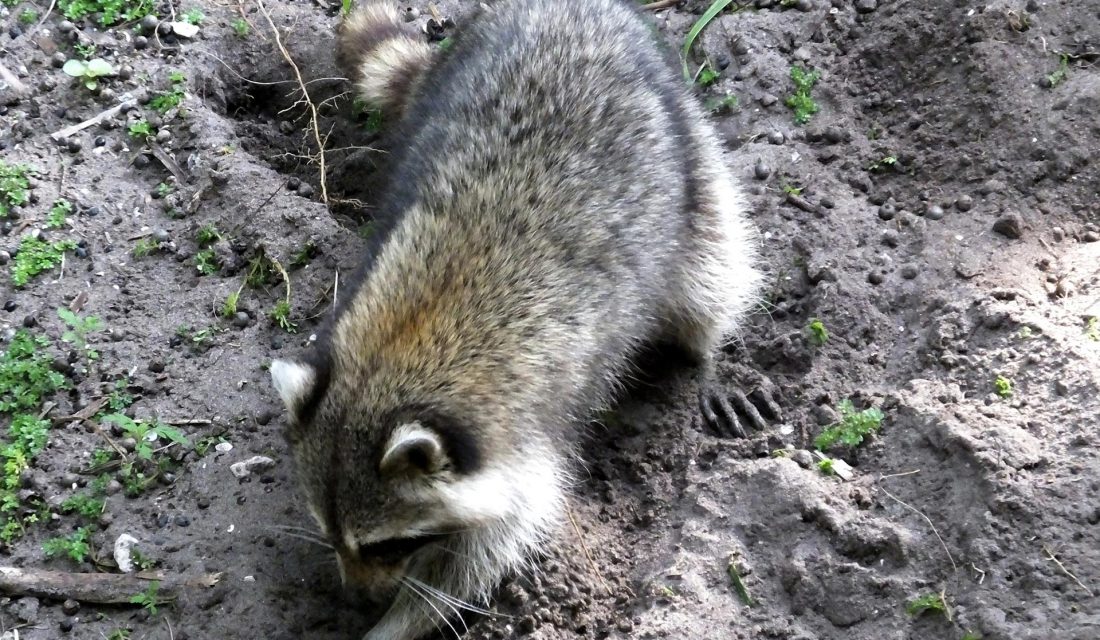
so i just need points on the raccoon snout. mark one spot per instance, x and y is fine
(367, 586)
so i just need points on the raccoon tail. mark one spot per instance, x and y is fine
(377, 53)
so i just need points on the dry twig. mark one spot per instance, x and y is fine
(302, 85)
(99, 588)
(1053, 558)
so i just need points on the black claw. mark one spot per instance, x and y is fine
(742, 404)
(719, 415)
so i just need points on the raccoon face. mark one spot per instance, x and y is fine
(390, 489)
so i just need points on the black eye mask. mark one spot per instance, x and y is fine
(395, 550)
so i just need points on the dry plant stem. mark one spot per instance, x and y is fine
(99, 588)
(954, 567)
(584, 548)
(309, 103)
(660, 4)
(15, 83)
(1053, 558)
(94, 120)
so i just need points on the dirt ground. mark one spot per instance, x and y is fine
(946, 233)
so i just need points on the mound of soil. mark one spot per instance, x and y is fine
(939, 214)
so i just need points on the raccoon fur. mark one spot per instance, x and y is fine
(556, 201)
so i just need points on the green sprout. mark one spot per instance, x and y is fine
(206, 261)
(36, 256)
(148, 598)
(78, 331)
(141, 129)
(194, 16)
(818, 334)
(931, 602)
(74, 545)
(89, 72)
(800, 101)
(281, 315)
(58, 213)
(240, 27)
(853, 427)
(14, 187)
(1003, 386)
(1059, 75)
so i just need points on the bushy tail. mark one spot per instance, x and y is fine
(380, 55)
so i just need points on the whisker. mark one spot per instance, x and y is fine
(419, 599)
(456, 601)
(447, 622)
(300, 536)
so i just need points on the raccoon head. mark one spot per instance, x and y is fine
(408, 490)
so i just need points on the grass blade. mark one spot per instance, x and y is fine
(697, 28)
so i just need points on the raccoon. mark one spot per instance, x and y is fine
(556, 202)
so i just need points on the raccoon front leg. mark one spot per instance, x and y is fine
(411, 619)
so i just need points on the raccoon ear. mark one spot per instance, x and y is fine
(413, 449)
(293, 382)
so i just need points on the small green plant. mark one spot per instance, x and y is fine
(818, 334)
(14, 187)
(142, 561)
(144, 433)
(58, 214)
(88, 506)
(118, 399)
(36, 256)
(1059, 75)
(145, 247)
(74, 545)
(106, 12)
(240, 27)
(85, 50)
(792, 190)
(229, 307)
(1002, 386)
(206, 261)
(26, 375)
(970, 635)
(28, 16)
(1025, 332)
(800, 101)
(826, 466)
(78, 331)
(304, 255)
(261, 271)
(170, 99)
(881, 164)
(706, 76)
(853, 427)
(208, 234)
(202, 447)
(739, 584)
(931, 602)
(346, 7)
(194, 16)
(1092, 328)
(164, 189)
(89, 72)
(119, 634)
(141, 129)
(148, 598)
(281, 315)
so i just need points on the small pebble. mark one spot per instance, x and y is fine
(761, 171)
(875, 277)
(141, 42)
(934, 212)
(802, 458)
(10, 306)
(223, 447)
(73, 145)
(65, 26)
(150, 22)
(909, 271)
(1091, 236)
(305, 190)
(776, 137)
(160, 235)
(156, 366)
(964, 203)
(887, 211)
(58, 59)
(70, 607)
(241, 319)
(411, 14)
(293, 183)
(81, 252)
(890, 238)
(29, 322)
(866, 6)
(255, 464)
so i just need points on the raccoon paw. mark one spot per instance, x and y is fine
(723, 413)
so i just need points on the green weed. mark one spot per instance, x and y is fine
(26, 374)
(800, 101)
(144, 433)
(281, 315)
(723, 104)
(881, 164)
(145, 247)
(28, 16)
(1002, 386)
(931, 602)
(85, 50)
(1092, 328)
(148, 598)
(206, 261)
(170, 99)
(240, 27)
(58, 214)
(826, 467)
(707, 76)
(142, 561)
(261, 271)
(79, 328)
(792, 190)
(1059, 75)
(229, 307)
(208, 234)
(14, 187)
(88, 506)
(88, 72)
(36, 256)
(304, 255)
(853, 427)
(107, 12)
(119, 634)
(346, 7)
(739, 584)
(194, 16)
(818, 334)
(141, 129)
(74, 545)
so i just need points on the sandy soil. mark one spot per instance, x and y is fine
(946, 234)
